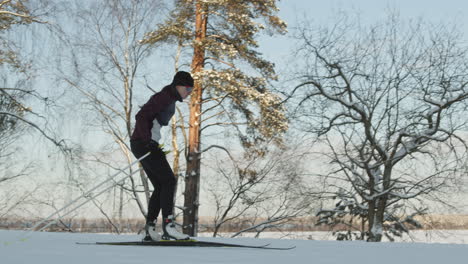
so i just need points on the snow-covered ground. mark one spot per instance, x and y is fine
(421, 236)
(61, 248)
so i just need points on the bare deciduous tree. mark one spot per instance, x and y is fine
(16, 77)
(19, 93)
(265, 191)
(107, 62)
(387, 104)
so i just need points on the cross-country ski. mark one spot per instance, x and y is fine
(186, 243)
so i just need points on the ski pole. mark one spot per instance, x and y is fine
(83, 203)
(88, 192)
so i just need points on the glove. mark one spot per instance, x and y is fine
(163, 150)
(152, 146)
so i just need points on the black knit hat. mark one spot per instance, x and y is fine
(183, 78)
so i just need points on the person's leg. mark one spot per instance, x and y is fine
(154, 205)
(166, 180)
(148, 163)
(160, 173)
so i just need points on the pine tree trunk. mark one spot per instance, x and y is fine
(192, 180)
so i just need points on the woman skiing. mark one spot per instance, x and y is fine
(152, 116)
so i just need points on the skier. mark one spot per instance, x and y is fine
(152, 116)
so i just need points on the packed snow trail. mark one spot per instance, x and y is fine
(59, 248)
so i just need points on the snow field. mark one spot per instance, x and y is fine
(60, 248)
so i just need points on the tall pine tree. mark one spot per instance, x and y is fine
(231, 77)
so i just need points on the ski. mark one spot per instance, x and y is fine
(184, 243)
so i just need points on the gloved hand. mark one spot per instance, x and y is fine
(152, 146)
(161, 146)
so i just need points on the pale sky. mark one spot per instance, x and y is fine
(322, 12)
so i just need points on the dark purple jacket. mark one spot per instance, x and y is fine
(159, 108)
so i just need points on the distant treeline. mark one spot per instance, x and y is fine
(430, 222)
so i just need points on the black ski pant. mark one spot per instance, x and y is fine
(161, 176)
